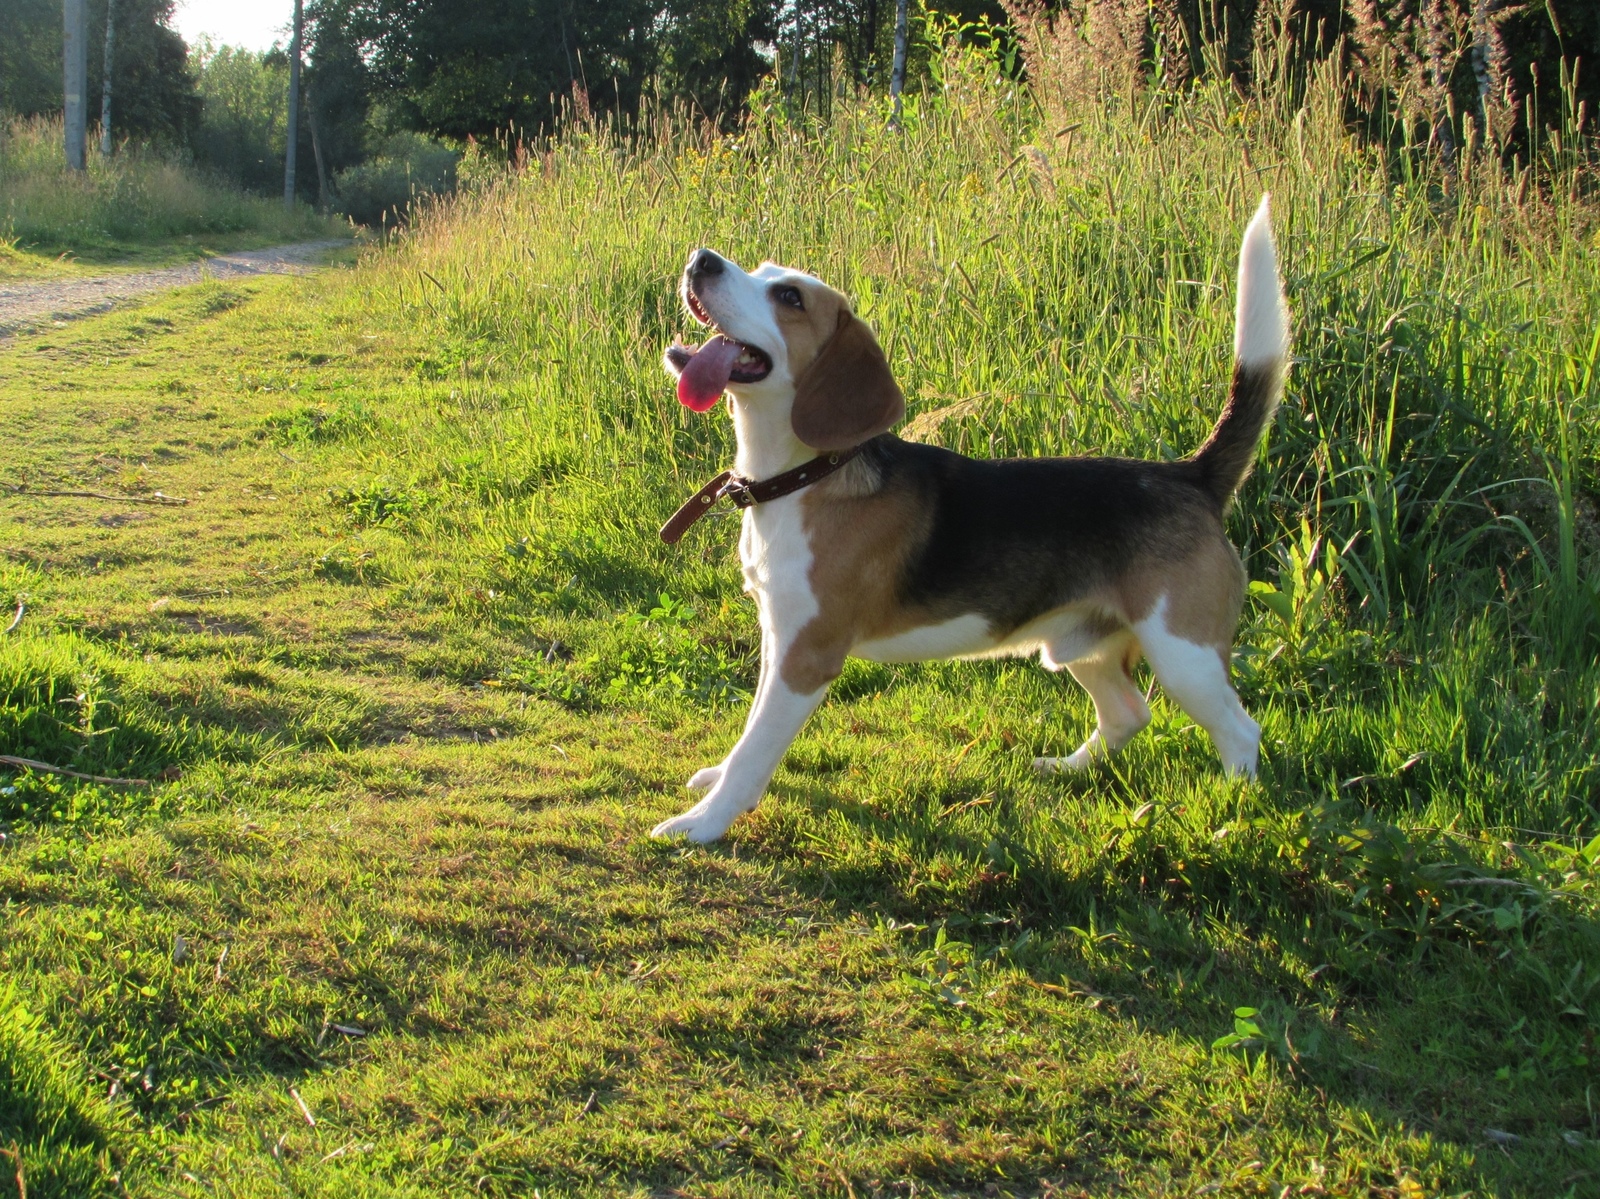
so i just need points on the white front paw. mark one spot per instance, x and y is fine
(704, 780)
(707, 821)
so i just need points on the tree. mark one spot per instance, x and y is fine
(106, 80)
(150, 77)
(457, 69)
(30, 56)
(156, 99)
(240, 133)
(293, 135)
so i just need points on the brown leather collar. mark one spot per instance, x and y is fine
(746, 493)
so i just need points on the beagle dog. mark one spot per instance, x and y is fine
(867, 545)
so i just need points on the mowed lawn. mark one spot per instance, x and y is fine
(412, 679)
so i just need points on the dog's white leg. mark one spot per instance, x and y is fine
(707, 777)
(1120, 711)
(1196, 677)
(775, 721)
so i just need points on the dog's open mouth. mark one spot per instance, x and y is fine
(704, 372)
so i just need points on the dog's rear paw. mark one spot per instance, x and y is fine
(1080, 759)
(704, 780)
(1085, 756)
(702, 823)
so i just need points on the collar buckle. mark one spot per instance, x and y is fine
(737, 490)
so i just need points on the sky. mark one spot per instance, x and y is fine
(253, 24)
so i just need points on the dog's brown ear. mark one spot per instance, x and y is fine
(847, 394)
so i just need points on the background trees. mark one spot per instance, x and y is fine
(155, 97)
(393, 86)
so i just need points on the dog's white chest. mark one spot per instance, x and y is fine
(776, 559)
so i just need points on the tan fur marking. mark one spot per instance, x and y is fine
(806, 331)
(859, 545)
(1204, 591)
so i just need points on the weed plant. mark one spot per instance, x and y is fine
(397, 929)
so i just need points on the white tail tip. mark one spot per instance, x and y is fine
(1261, 329)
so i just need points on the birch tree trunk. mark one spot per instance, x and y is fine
(897, 77)
(294, 107)
(105, 88)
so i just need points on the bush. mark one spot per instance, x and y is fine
(406, 166)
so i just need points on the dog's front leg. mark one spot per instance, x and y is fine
(775, 720)
(707, 777)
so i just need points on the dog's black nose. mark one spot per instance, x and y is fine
(703, 263)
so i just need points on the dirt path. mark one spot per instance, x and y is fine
(28, 305)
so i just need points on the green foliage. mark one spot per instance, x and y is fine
(663, 655)
(152, 92)
(243, 124)
(138, 196)
(381, 501)
(30, 56)
(478, 70)
(1308, 646)
(404, 169)
(318, 423)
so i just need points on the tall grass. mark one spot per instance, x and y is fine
(1046, 288)
(138, 195)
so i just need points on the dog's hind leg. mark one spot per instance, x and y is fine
(1196, 677)
(1120, 711)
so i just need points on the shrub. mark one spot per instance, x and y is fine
(406, 167)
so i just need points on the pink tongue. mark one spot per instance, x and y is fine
(702, 382)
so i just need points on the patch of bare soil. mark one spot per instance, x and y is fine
(37, 303)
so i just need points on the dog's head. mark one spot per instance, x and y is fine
(783, 337)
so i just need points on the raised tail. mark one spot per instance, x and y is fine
(1260, 360)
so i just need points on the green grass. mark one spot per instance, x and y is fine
(138, 208)
(425, 678)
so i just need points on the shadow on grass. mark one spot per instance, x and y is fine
(1403, 974)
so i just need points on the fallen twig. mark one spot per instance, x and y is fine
(17, 619)
(8, 760)
(304, 1110)
(158, 499)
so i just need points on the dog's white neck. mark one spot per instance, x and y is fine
(767, 444)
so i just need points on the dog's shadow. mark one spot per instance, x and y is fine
(1081, 890)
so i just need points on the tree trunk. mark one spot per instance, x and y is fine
(867, 69)
(294, 107)
(105, 88)
(799, 54)
(897, 78)
(316, 149)
(75, 78)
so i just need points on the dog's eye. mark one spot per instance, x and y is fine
(789, 297)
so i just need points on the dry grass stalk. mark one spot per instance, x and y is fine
(1410, 49)
(1082, 52)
